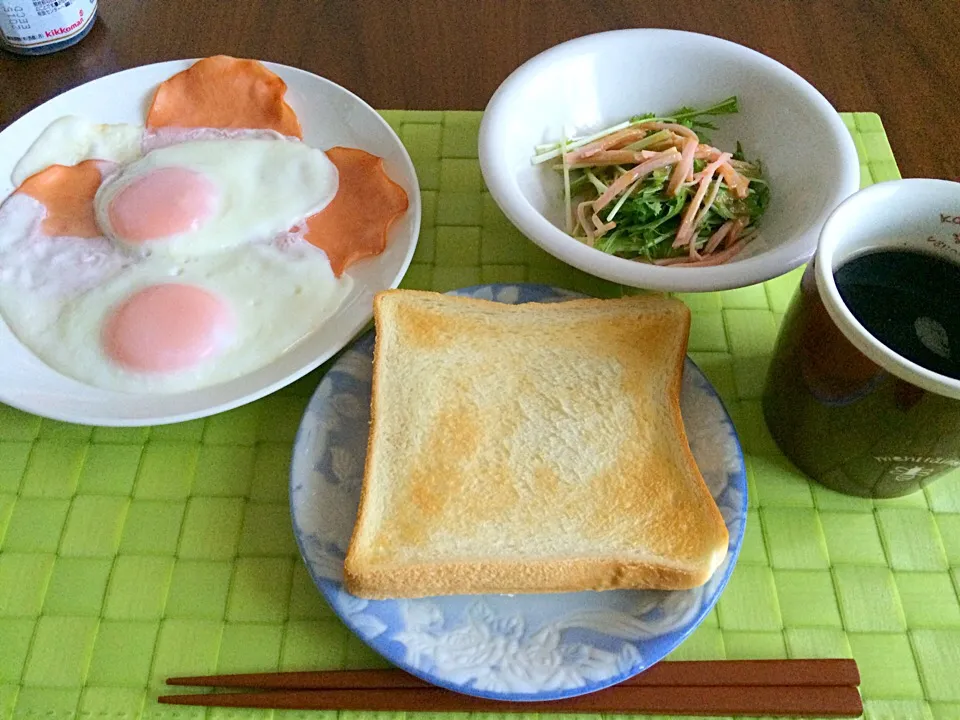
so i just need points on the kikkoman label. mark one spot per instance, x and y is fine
(34, 23)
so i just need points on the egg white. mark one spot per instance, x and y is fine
(265, 187)
(71, 139)
(56, 293)
(278, 296)
(39, 273)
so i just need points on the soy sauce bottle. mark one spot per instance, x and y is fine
(40, 27)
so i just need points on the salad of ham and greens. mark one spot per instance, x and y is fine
(653, 189)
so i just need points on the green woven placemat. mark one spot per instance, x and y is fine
(128, 555)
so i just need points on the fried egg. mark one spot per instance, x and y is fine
(71, 139)
(98, 313)
(192, 251)
(164, 326)
(197, 198)
(122, 309)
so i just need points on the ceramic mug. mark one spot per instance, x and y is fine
(849, 411)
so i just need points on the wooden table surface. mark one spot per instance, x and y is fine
(900, 59)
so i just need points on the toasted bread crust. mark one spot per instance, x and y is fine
(370, 577)
(573, 575)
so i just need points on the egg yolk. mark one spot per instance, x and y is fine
(166, 328)
(167, 201)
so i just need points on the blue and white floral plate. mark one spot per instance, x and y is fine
(521, 647)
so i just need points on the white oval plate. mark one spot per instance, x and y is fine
(521, 647)
(330, 115)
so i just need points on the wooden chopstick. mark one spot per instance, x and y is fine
(818, 688)
(810, 701)
(693, 673)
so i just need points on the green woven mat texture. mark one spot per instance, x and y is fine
(129, 555)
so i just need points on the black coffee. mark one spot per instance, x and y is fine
(910, 302)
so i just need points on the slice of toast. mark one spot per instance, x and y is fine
(529, 448)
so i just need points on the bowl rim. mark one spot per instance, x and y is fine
(777, 261)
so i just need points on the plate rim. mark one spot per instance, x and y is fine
(40, 407)
(328, 588)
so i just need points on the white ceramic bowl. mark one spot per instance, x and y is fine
(595, 81)
(329, 115)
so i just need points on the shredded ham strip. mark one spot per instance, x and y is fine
(713, 167)
(687, 225)
(616, 157)
(683, 168)
(682, 130)
(601, 226)
(604, 229)
(660, 160)
(708, 202)
(672, 142)
(734, 233)
(707, 152)
(715, 239)
(746, 235)
(737, 183)
(680, 149)
(582, 217)
(619, 138)
(715, 259)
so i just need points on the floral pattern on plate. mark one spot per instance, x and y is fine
(521, 647)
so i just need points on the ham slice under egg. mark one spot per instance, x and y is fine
(354, 225)
(224, 92)
(227, 93)
(166, 325)
(66, 193)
